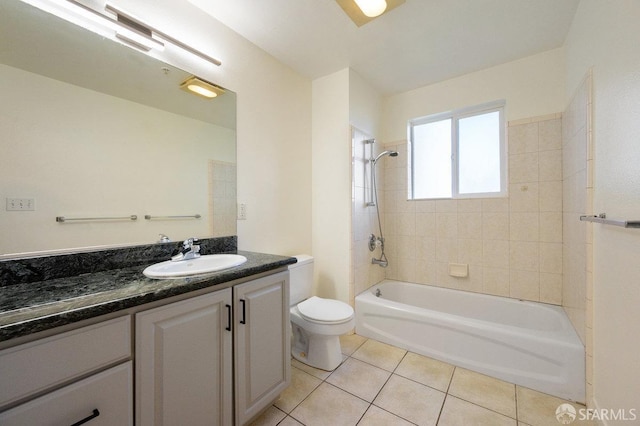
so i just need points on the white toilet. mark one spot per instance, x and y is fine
(316, 323)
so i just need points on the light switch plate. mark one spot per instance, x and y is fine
(21, 204)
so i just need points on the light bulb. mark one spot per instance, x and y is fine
(372, 8)
(202, 91)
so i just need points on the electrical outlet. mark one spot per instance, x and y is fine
(21, 204)
(242, 211)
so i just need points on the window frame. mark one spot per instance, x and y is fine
(455, 116)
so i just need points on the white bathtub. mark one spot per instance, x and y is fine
(527, 343)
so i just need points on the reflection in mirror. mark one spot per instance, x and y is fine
(90, 128)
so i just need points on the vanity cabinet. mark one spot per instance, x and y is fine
(261, 340)
(74, 375)
(218, 358)
(184, 362)
(103, 399)
(187, 352)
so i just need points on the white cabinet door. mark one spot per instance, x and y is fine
(262, 352)
(184, 362)
(104, 399)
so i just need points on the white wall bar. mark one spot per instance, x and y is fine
(62, 219)
(602, 218)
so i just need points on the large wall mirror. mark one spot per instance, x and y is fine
(92, 129)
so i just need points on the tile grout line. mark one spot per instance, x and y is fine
(304, 399)
(515, 391)
(382, 387)
(446, 395)
(374, 398)
(393, 372)
(482, 406)
(324, 380)
(385, 383)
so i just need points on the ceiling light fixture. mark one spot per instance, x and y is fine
(201, 87)
(362, 12)
(372, 8)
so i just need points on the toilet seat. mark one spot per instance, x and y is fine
(325, 311)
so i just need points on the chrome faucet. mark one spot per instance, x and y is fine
(191, 250)
(380, 262)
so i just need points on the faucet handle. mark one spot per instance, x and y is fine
(191, 243)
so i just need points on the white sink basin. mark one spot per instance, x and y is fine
(198, 266)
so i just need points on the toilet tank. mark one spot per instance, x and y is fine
(300, 279)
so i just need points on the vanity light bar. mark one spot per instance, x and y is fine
(128, 33)
(127, 28)
(178, 43)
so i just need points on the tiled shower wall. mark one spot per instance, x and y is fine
(577, 289)
(364, 221)
(513, 245)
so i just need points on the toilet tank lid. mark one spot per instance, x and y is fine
(302, 260)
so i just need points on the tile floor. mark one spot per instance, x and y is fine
(379, 384)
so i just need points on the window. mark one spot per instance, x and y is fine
(458, 154)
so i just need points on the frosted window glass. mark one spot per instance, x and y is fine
(479, 153)
(432, 160)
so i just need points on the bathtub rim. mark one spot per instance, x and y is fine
(568, 331)
(570, 384)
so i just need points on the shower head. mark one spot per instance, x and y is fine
(383, 153)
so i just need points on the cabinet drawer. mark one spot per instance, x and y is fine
(37, 366)
(109, 392)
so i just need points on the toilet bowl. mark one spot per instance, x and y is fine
(316, 323)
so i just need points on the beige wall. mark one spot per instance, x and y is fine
(605, 36)
(532, 86)
(365, 105)
(331, 187)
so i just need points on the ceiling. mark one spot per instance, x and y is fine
(419, 43)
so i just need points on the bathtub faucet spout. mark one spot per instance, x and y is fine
(381, 262)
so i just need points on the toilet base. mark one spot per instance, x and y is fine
(319, 351)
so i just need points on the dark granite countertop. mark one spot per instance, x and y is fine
(30, 307)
